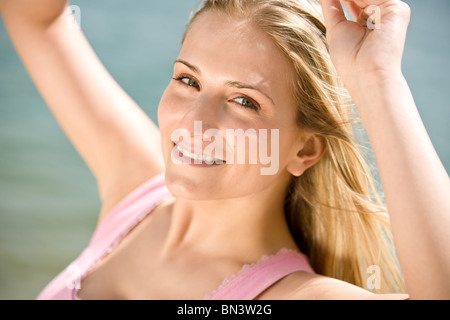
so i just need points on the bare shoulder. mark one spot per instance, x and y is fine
(307, 286)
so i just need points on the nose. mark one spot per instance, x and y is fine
(207, 110)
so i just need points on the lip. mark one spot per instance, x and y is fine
(185, 157)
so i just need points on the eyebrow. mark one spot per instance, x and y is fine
(235, 84)
(190, 66)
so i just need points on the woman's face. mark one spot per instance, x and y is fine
(229, 100)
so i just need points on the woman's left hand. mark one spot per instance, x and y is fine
(366, 46)
(415, 183)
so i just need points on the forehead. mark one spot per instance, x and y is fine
(237, 50)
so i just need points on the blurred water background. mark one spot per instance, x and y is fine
(48, 198)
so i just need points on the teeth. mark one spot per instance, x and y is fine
(197, 156)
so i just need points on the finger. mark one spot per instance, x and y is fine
(353, 8)
(332, 12)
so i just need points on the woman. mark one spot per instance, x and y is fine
(175, 224)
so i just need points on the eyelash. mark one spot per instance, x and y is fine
(256, 107)
(182, 77)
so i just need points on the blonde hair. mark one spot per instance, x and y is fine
(333, 209)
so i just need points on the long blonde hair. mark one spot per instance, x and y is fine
(333, 209)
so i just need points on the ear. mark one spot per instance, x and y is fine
(310, 153)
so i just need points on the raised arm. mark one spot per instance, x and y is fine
(416, 185)
(117, 140)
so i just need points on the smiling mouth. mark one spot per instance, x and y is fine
(197, 159)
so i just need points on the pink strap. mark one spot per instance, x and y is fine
(255, 279)
(123, 218)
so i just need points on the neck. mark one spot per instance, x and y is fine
(241, 228)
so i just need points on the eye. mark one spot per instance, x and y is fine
(188, 81)
(247, 103)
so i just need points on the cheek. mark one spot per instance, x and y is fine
(165, 109)
(168, 119)
(170, 111)
(287, 146)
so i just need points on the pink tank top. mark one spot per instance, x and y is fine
(246, 285)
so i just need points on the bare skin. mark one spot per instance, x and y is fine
(415, 182)
(184, 249)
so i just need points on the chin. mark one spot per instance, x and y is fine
(192, 187)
